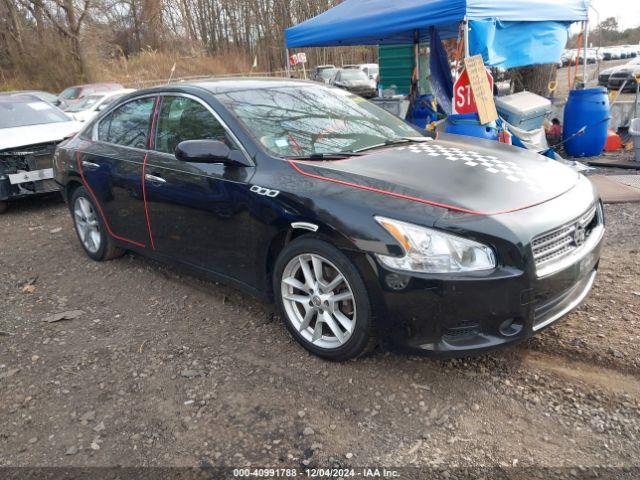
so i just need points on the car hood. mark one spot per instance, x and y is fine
(611, 70)
(35, 134)
(629, 70)
(471, 176)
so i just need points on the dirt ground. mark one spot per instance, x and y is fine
(163, 369)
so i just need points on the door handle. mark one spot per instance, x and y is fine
(154, 179)
(90, 165)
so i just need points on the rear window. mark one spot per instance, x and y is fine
(21, 113)
(70, 93)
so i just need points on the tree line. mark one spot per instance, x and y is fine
(68, 37)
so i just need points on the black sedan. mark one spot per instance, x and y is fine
(355, 81)
(361, 229)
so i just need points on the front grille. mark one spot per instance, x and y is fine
(557, 244)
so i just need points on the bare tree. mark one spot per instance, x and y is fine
(67, 16)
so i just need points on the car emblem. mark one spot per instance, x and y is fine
(264, 191)
(579, 236)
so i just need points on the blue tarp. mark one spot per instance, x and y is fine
(381, 22)
(514, 44)
(441, 79)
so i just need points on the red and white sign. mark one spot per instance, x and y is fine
(297, 58)
(463, 99)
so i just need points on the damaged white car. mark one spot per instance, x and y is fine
(30, 130)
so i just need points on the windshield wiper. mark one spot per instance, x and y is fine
(325, 156)
(391, 142)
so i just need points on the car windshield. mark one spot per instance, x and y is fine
(70, 93)
(351, 75)
(23, 112)
(85, 104)
(312, 120)
(327, 73)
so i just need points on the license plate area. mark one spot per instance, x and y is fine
(33, 176)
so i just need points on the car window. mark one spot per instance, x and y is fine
(70, 93)
(181, 119)
(353, 75)
(85, 104)
(128, 125)
(303, 120)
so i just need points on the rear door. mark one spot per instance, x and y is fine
(198, 213)
(111, 166)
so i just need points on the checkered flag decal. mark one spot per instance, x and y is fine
(510, 171)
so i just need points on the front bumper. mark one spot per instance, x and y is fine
(456, 317)
(26, 171)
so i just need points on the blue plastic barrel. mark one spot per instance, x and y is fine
(589, 109)
(469, 124)
(421, 112)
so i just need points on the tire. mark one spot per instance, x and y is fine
(4, 206)
(341, 323)
(97, 244)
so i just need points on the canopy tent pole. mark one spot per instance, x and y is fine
(416, 55)
(466, 37)
(584, 59)
(287, 67)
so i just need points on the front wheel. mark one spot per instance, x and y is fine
(91, 229)
(323, 300)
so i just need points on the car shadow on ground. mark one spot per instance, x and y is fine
(35, 203)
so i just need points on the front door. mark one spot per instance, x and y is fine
(198, 213)
(111, 167)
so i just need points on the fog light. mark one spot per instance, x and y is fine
(397, 282)
(510, 327)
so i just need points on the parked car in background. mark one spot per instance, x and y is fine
(358, 227)
(30, 130)
(355, 81)
(605, 75)
(71, 95)
(89, 106)
(626, 73)
(323, 73)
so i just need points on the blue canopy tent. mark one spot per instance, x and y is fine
(382, 22)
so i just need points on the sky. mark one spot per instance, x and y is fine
(626, 11)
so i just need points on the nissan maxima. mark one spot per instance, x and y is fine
(360, 228)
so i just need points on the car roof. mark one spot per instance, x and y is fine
(233, 84)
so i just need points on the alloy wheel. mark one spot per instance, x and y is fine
(87, 224)
(318, 301)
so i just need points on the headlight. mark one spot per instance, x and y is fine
(432, 251)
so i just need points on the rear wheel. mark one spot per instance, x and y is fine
(4, 206)
(90, 228)
(323, 300)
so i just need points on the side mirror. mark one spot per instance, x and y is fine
(208, 151)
